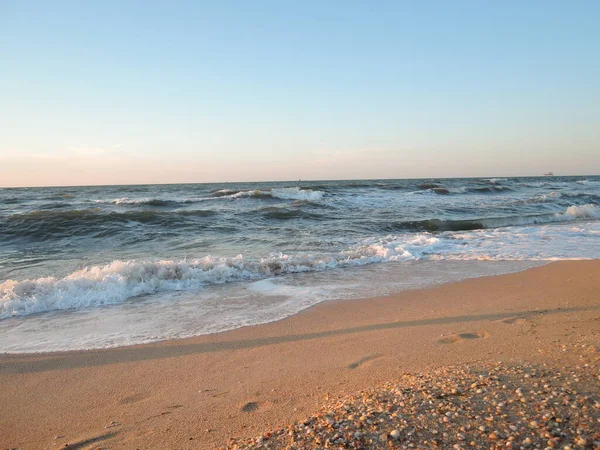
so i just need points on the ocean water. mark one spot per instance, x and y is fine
(93, 267)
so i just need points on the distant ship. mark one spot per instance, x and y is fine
(549, 174)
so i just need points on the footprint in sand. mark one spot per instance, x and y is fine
(250, 407)
(363, 360)
(517, 320)
(524, 325)
(461, 337)
(89, 442)
(132, 399)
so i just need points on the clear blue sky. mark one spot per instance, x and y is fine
(140, 92)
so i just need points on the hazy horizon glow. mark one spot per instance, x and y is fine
(137, 93)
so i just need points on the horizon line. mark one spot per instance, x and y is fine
(294, 181)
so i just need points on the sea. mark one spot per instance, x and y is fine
(105, 266)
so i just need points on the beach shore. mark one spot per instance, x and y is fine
(200, 392)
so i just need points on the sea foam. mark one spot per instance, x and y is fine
(118, 281)
(291, 193)
(588, 211)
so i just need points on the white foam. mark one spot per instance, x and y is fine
(114, 283)
(296, 193)
(224, 307)
(550, 196)
(572, 213)
(118, 281)
(292, 193)
(241, 194)
(129, 201)
(269, 288)
(149, 200)
(588, 182)
(588, 211)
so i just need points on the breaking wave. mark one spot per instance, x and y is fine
(142, 201)
(493, 188)
(315, 225)
(292, 193)
(588, 211)
(118, 281)
(159, 202)
(437, 188)
(582, 212)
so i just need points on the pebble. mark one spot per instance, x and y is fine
(496, 405)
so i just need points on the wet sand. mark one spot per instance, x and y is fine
(200, 392)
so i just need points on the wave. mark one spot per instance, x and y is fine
(549, 184)
(351, 184)
(225, 193)
(426, 186)
(439, 189)
(287, 213)
(47, 223)
(11, 200)
(583, 196)
(489, 189)
(55, 205)
(257, 193)
(582, 212)
(391, 187)
(295, 193)
(147, 202)
(586, 182)
(126, 201)
(494, 180)
(291, 193)
(133, 188)
(61, 197)
(551, 197)
(588, 211)
(313, 204)
(315, 187)
(118, 281)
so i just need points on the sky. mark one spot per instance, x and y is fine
(127, 92)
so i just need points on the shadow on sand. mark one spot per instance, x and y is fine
(67, 360)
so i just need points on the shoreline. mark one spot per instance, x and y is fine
(264, 376)
(425, 286)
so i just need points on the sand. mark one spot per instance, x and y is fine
(491, 406)
(200, 392)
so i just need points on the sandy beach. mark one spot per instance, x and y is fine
(201, 392)
(300, 225)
